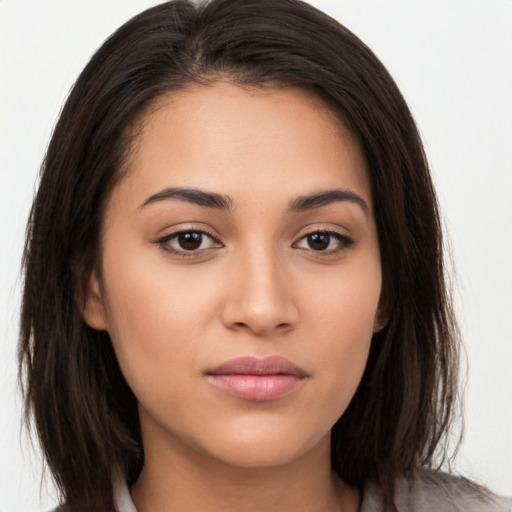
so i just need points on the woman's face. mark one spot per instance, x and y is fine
(244, 228)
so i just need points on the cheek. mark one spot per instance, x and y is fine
(341, 319)
(345, 303)
(149, 301)
(156, 320)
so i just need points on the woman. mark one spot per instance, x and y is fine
(234, 292)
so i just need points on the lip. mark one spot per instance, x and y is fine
(257, 379)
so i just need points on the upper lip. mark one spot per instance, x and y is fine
(252, 365)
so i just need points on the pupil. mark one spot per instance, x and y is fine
(190, 241)
(318, 241)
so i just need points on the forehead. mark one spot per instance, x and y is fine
(232, 138)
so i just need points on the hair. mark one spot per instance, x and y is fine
(84, 413)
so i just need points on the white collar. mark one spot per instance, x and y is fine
(122, 499)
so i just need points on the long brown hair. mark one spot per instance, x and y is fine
(83, 410)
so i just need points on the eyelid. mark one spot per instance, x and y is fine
(163, 241)
(345, 241)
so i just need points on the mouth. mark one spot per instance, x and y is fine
(257, 379)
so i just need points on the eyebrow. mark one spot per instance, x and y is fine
(191, 195)
(223, 202)
(326, 197)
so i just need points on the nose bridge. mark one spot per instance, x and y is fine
(260, 299)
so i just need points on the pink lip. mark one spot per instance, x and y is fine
(258, 379)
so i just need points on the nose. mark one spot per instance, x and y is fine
(260, 297)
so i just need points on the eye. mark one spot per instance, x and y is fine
(324, 241)
(189, 241)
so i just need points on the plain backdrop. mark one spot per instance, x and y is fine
(452, 60)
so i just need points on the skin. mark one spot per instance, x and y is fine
(256, 287)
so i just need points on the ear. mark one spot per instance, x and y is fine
(383, 314)
(379, 323)
(92, 306)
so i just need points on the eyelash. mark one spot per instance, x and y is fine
(344, 242)
(165, 240)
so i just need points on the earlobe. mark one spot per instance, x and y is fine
(379, 323)
(92, 307)
(383, 314)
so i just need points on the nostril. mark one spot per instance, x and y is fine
(260, 315)
(247, 326)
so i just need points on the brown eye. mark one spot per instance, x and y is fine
(190, 241)
(187, 242)
(329, 242)
(318, 241)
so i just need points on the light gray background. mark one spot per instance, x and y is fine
(452, 60)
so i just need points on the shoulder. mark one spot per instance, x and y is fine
(435, 491)
(430, 490)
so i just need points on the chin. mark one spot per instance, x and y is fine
(264, 449)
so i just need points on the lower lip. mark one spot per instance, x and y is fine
(259, 388)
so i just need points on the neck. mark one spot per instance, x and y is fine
(186, 480)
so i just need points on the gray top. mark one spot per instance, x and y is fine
(436, 492)
(430, 492)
